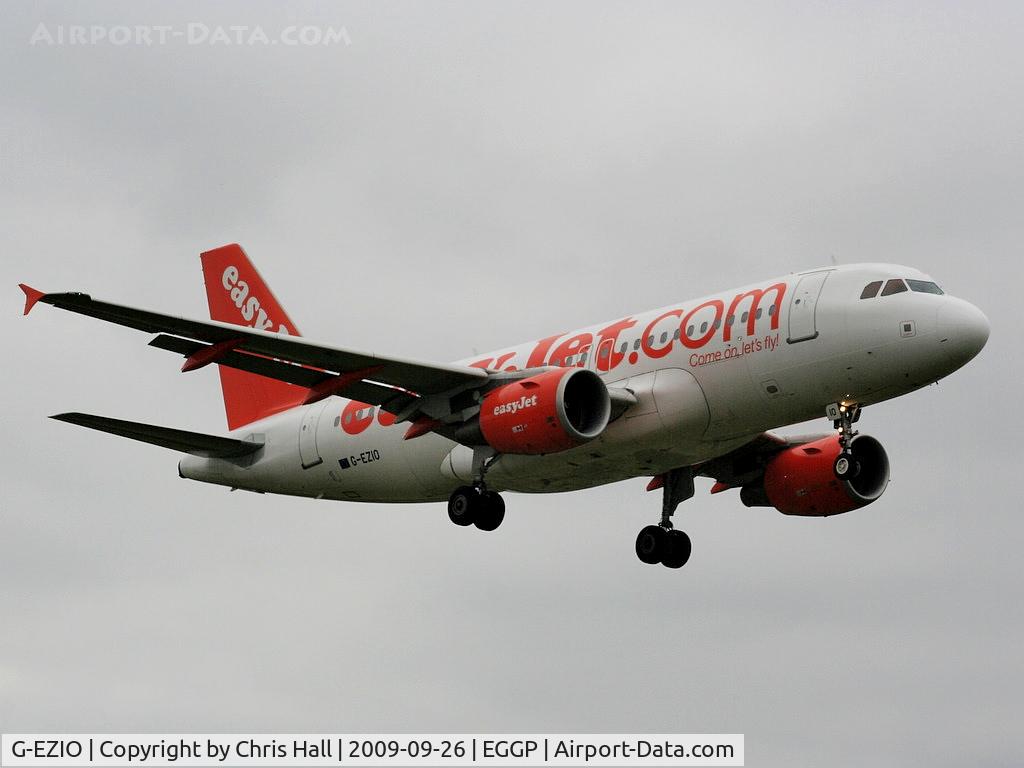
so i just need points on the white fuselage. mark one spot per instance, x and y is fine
(709, 375)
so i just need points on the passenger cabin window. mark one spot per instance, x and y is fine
(923, 286)
(894, 286)
(871, 290)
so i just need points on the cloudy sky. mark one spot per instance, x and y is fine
(461, 176)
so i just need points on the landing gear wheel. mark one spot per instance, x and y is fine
(677, 549)
(651, 543)
(845, 466)
(491, 511)
(464, 505)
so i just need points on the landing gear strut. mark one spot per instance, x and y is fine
(662, 543)
(474, 504)
(843, 418)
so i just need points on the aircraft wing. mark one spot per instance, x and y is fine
(746, 464)
(359, 375)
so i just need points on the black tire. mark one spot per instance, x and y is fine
(650, 544)
(491, 511)
(677, 549)
(464, 505)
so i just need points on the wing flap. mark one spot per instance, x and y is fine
(195, 443)
(363, 391)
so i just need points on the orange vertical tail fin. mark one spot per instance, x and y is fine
(237, 294)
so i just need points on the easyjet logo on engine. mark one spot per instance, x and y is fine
(515, 405)
(250, 306)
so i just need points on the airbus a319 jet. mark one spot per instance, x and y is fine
(670, 394)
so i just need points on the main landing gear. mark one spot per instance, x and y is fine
(474, 504)
(662, 543)
(843, 416)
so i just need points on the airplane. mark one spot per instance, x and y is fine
(688, 390)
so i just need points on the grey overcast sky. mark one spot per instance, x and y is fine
(463, 176)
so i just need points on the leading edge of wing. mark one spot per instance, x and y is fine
(414, 376)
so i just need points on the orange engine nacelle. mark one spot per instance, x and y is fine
(550, 412)
(801, 480)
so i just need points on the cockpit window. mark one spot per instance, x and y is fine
(894, 286)
(923, 286)
(871, 290)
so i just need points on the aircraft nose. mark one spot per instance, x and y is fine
(963, 330)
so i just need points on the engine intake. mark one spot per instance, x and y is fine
(801, 481)
(547, 413)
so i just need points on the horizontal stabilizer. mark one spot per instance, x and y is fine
(196, 443)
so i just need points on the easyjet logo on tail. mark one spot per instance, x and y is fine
(250, 307)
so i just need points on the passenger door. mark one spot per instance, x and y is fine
(802, 305)
(309, 452)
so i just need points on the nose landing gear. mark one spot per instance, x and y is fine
(843, 418)
(662, 543)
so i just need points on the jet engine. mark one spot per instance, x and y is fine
(546, 413)
(801, 481)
